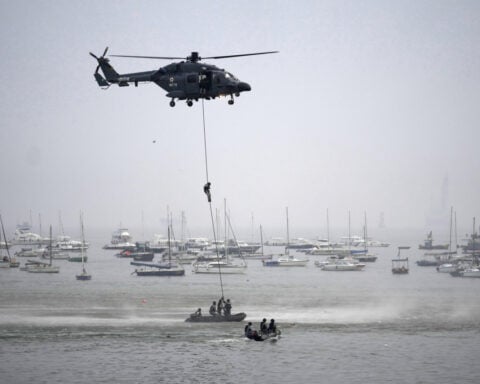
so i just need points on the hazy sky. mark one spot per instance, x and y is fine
(369, 106)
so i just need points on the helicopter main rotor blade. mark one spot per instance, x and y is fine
(150, 57)
(94, 56)
(243, 54)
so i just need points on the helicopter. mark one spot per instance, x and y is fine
(187, 80)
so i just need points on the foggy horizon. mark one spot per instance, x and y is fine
(368, 107)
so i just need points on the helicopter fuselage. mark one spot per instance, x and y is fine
(183, 81)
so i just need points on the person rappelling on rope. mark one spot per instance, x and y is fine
(206, 189)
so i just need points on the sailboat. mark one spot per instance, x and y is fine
(473, 270)
(220, 266)
(365, 257)
(261, 255)
(44, 267)
(84, 275)
(7, 261)
(348, 263)
(168, 269)
(449, 266)
(286, 260)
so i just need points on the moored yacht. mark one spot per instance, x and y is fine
(66, 243)
(220, 266)
(121, 239)
(285, 261)
(300, 243)
(30, 252)
(374, 243)
(447, 267)
(24, 236)
(342, 265)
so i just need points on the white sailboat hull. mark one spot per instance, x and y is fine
(213, 268)
(447, 268)
(43, 269)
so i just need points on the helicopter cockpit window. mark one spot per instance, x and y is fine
(192, 78)
(228, 75)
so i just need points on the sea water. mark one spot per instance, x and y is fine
(337, 327)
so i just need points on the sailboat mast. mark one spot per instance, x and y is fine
(5, 239)
(288, 234)
(226, 229)
(261, 239)
(183, 228)
(450, 239)
(253, 226)
(456, 238)
(473, 238)
(83, 243)
(217, 222)
(50, 245)
(169, 251)
(365, 233)
(349, 236)
(328, 229)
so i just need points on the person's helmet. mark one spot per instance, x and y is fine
(264, 320)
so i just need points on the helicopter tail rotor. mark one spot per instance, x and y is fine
(107, 70)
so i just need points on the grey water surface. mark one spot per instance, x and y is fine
(338, 327)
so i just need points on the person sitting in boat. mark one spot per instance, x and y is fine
(228, 308)
(256, 336)
(220, 305)
(248, 330)
(198, 312)
(272, 328)
(213, 309)
(263, 327)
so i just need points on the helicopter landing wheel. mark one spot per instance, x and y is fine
(172, 103)
(231, 101)
(189, 103)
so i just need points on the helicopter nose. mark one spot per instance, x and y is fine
(244, 87)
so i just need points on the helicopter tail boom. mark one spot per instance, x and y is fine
(110, 74)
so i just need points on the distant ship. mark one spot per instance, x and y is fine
(428, 243)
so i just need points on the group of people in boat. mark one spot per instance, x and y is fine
(264, 331)
(218, 309)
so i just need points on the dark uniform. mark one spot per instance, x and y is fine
(228, 308)
(213, 309)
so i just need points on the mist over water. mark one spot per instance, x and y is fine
(53, 321)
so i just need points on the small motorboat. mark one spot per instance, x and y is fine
(194, 318)
(266, 336)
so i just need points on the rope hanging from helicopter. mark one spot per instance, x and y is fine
(206, 190)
